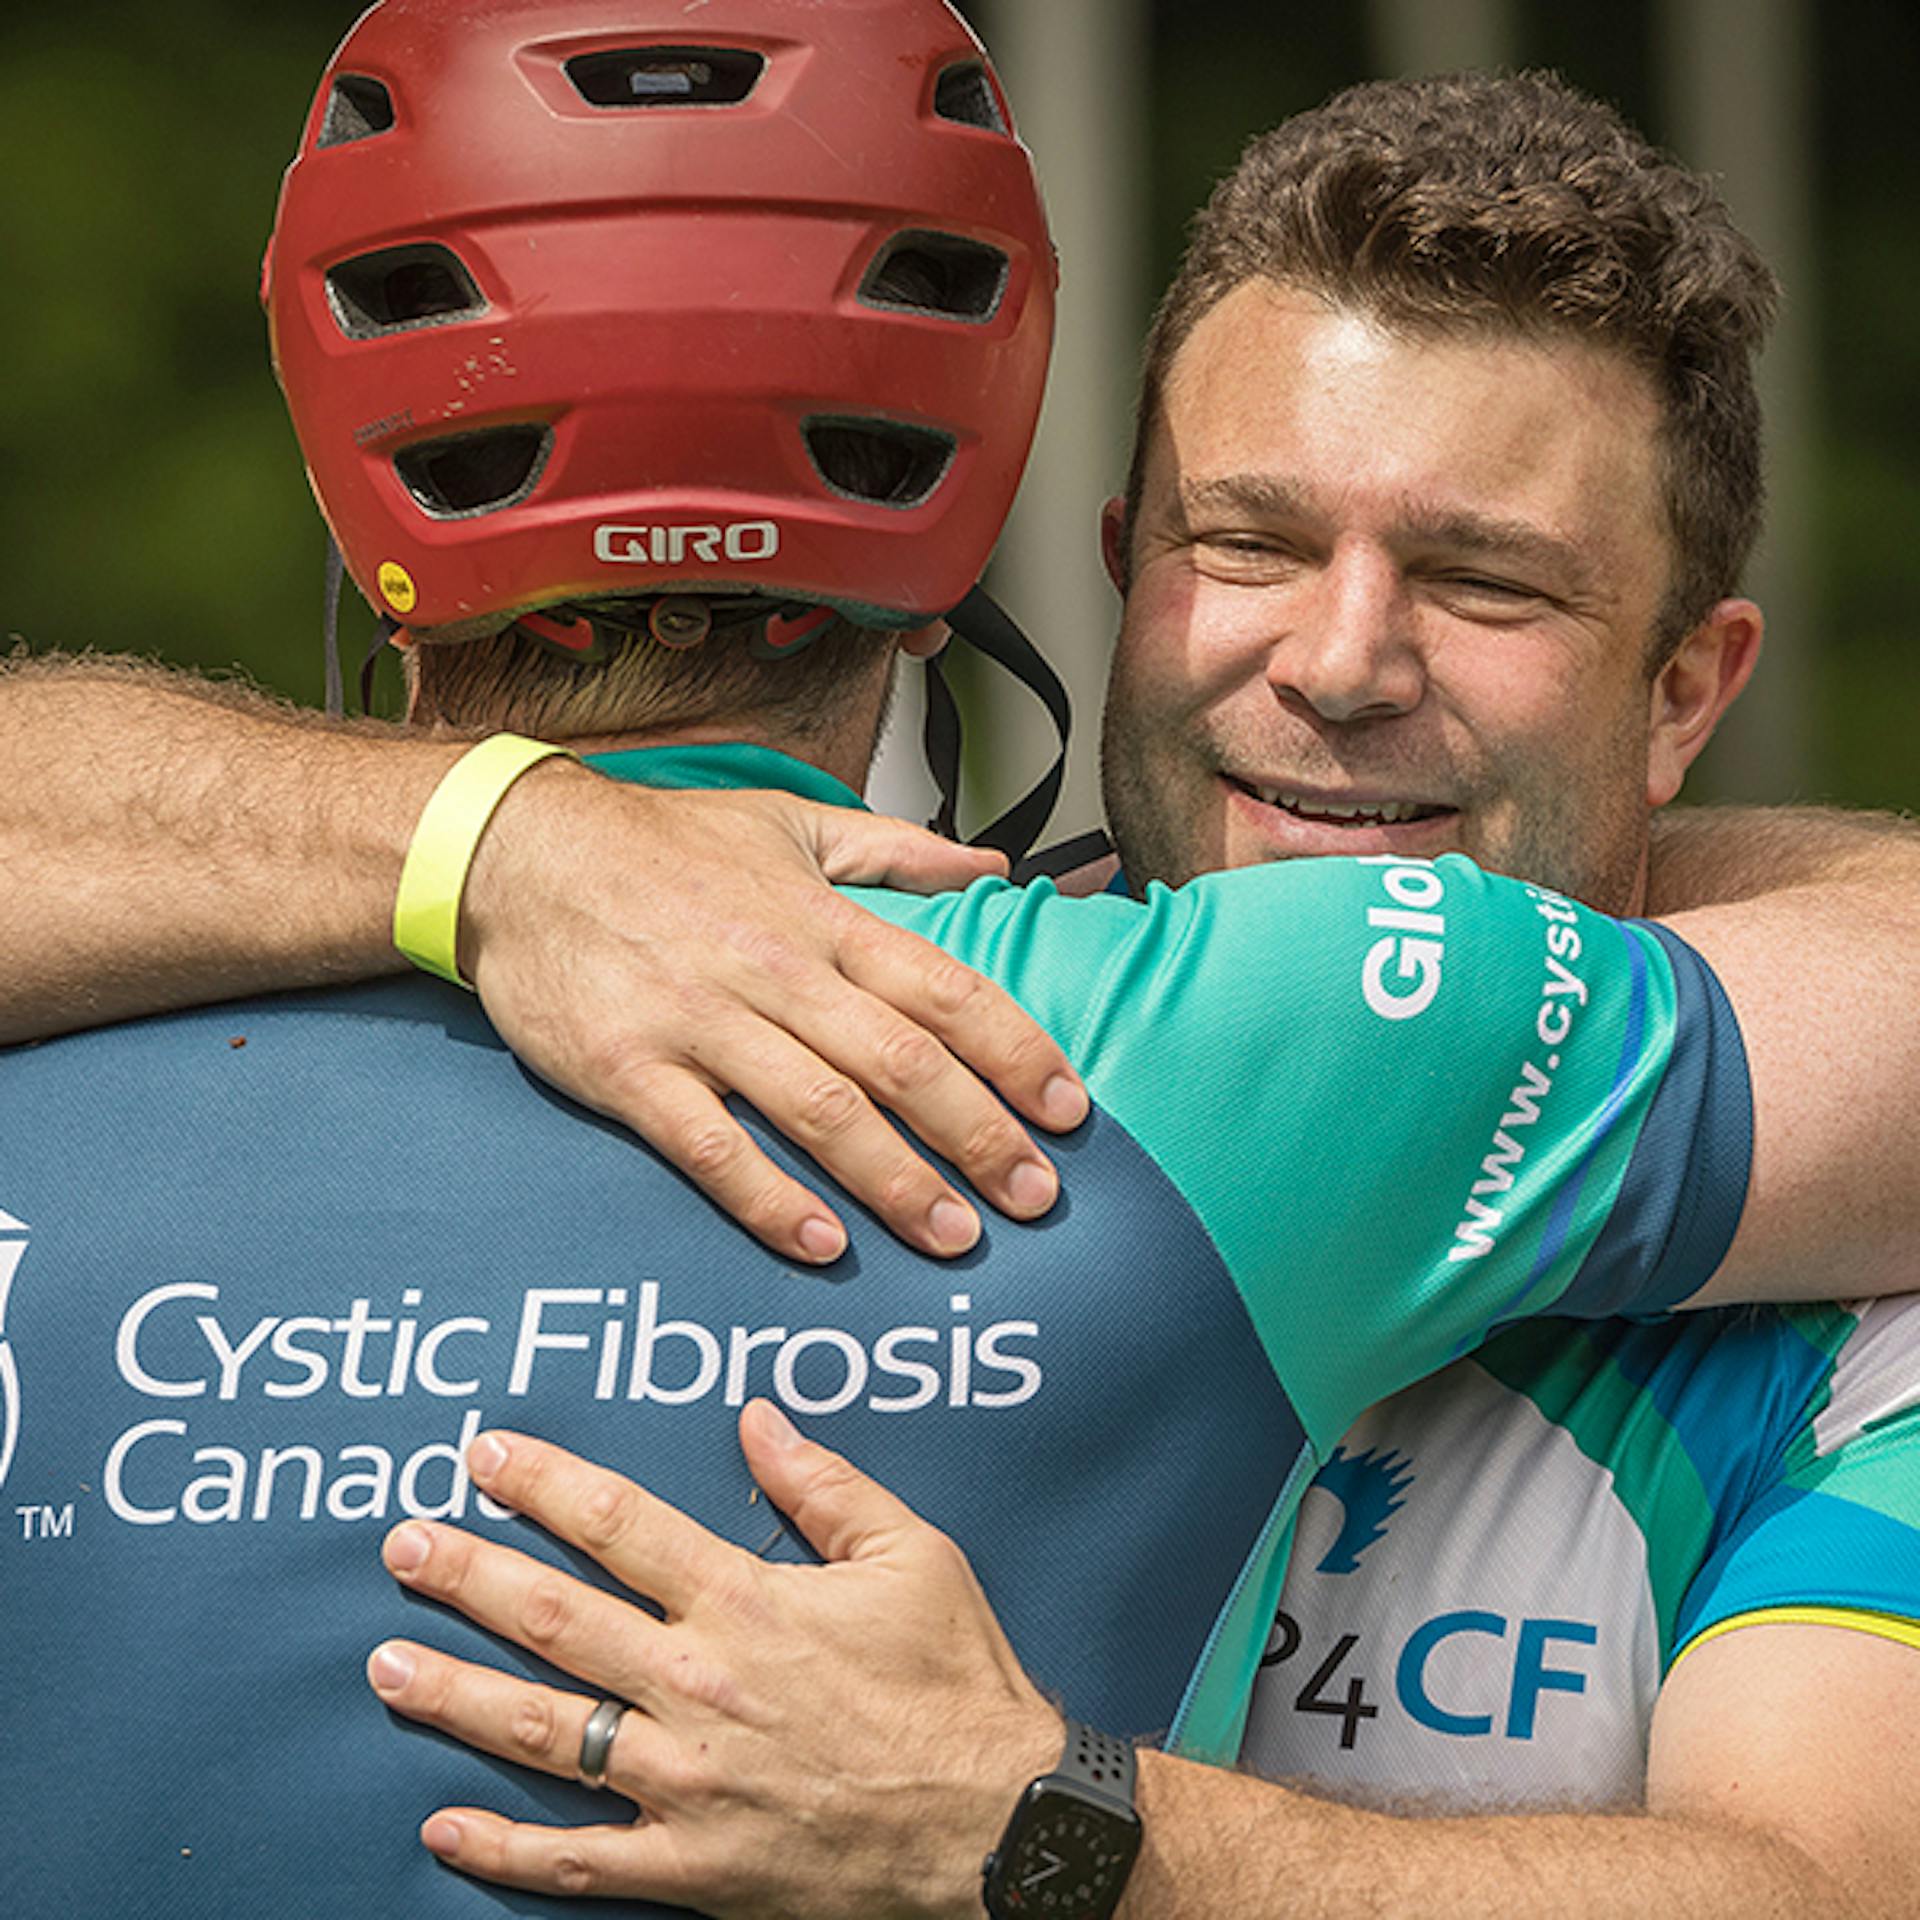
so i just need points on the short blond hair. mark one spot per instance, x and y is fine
(508, 681)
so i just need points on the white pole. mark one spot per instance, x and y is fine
(1076, 72)
(1737, 75)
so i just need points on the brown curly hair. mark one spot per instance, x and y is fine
(1511, 204)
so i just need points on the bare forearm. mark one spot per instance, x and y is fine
(167, 841)
(1811, 919)
(1223, 1846)
(1824, 981)
(1707, 856)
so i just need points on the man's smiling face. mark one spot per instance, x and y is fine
(1390, 594)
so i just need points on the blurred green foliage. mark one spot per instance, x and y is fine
(150, 495)
(1867, 494)
(151, 498)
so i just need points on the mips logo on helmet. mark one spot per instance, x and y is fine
(13, 1244)
(741, 541)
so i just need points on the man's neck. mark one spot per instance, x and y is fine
(848, 760)
(844, 750)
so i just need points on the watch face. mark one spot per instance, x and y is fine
(1064, 1858)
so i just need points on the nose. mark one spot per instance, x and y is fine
(1351, 652)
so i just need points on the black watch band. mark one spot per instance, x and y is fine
(1099, 1761)
(1073, 1837)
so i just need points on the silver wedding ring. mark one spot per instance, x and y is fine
(596, 1744)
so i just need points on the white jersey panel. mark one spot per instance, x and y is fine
(1877, 1374)
(1467, 1619)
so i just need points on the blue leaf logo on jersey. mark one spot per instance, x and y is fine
(1371, 1488)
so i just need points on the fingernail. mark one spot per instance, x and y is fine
(407, 1549)
(390, 1669)
(442, 1836)
(822, 1239)
(487, 1456)
(1063, 1101)
(955, 1226)
(775, 1428)
(1032, 1186)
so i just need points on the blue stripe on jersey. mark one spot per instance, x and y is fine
(1579, 1300)
(1806, 1548)
(1701, 1121)
(1733, 1386)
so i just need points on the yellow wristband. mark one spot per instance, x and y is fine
(426, 910)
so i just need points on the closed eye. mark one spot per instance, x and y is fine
(1489, 597)
(1485, 583)
(1240, 555)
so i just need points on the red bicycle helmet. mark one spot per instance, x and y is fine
(590, 300)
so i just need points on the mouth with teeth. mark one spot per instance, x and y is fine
(1322, 810)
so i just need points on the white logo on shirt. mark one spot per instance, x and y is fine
(11, 1250)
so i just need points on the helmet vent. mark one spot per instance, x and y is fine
(667, 76)
(401, 287)
(937, 273)
(881, 461)
(468, 474)
(964, 94)
(357, 109)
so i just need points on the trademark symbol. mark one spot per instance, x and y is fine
(45, 1523)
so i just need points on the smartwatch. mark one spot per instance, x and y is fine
(1073, 1838)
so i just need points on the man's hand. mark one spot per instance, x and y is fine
(647, 952)
(169, 841)
(809, 1741)
(819, 1741)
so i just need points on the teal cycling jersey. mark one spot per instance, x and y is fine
(265, 1269)
(1498, 1567)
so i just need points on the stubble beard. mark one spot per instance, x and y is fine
(1591, 848)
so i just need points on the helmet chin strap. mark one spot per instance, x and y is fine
(987, 628)
(388, 626)
(330, 628)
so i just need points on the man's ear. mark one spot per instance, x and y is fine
(1690, 693)
(1113, 542)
